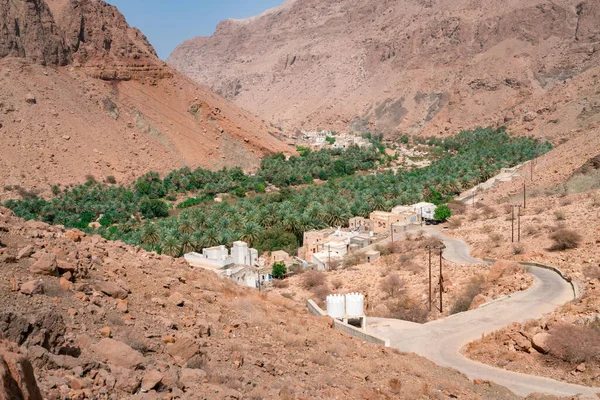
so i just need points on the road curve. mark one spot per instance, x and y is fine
(441, 340)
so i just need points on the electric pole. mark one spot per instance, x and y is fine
(441, 278)
(518, 206)
(524, 194)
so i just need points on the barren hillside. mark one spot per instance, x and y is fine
(84, 94)
(414, 66)
(104, 320)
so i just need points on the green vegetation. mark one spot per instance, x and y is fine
(279, 270)
(442, 213)
(274, 221)
(330, 140)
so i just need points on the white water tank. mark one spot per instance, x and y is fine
(336, 306)
(355, 305)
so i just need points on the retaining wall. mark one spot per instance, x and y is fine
(313, 308)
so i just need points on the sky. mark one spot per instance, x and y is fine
(167, 23)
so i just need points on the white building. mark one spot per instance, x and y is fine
(425, 210)
(213, 257)
(249, 276)
(242, 255)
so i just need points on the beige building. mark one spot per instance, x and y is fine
(360, 224)
(407, 220)
(314, 242)
(382, 221)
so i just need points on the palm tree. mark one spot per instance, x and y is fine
(186, 227)
(150, 236)
(250, 233)
(188, 244)
(171, 247)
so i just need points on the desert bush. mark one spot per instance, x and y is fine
(90, 179)
(391, 285)
(321, 292)
(496, 239)
(530, 230)
(111, 179)
(566, 201)
(574, 344)
(473, 288)
(281, 283)
(518, 249)
(559, 215)
(408, 309)
(565, 239)
(488, 212)
(457, 207)
(507, 208)
(313, 279)
(595, 199)
(487, 229)
(454, 223)
(337, 284)
(353, 259)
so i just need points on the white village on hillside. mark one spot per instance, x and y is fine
(322, 249)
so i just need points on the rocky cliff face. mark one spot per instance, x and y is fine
(411, 66)
(28, 30)
(116, 109)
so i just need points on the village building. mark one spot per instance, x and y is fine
(250, 276)
(314, 242)
(279, 256)
(407, 219)
(425, 210)
(216, 257)
(360, 224)
(382, 221)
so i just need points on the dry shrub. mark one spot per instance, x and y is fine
(408, 309)
(463, 302)
(518, 249)
(488, 212)
(320, 358)
(559, 215)
(496, 239)
(566, 201)
(321, 292)
(392, 285)
(395, 385)
(313, 279)
(507, 208)
(574, 344)
(595, 199)
(565, 239)
(457, 207)
(337, 284)
(454, 223)
(530, 230)
(487, 229)
(384, 249)
(353, 259)
(280, 283)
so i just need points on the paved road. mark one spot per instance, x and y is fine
(441, 340)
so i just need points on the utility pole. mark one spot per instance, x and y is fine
(524, 194)
(441, 278)
(512, 221)
(518, 206)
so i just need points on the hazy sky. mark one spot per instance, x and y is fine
(169, 22)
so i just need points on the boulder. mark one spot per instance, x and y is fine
(177, 299)
(122, 305)
(111, 289)
(106, 332)
(25, 252)
(32, 287)
(126, 380)
(17, 380)
(540, 342)
(183, 349)
(65, 284)
(45, 265)
(478, 301)
(118, 353)
(74, 235)
(30, 98)
(151, 379)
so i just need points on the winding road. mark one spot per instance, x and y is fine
(441, 340)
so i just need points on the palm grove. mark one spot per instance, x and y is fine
(142, 214)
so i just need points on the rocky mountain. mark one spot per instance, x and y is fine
(411, 66)
(84, 94)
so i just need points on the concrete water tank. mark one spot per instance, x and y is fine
(336, 305)
(355, 305)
